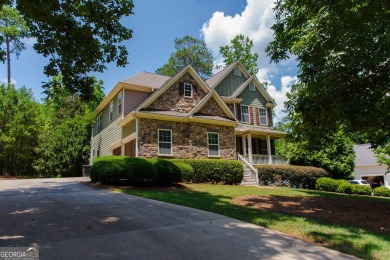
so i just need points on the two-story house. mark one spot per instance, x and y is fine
(183, 116)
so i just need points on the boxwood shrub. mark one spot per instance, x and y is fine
(289, 175)
(361, 189)
(108, 169)
(167, 172)
(345, 187)
(215, 171)
(142, 172)
(381, 191)
(187, 173)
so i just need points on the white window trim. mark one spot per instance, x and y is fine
(158, 142)
(266, 116)
(184, 86)
(249, 115)
(120, 103)
(111, 111)
(208, 145)
(99, 123)
(252, 87)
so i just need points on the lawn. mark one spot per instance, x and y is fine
(218, 198)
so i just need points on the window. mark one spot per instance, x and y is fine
(164, 142)
(187, 90)
(245, 114)
(111, 110)
(99, 123)
(237, 71)
(213, 144)
(252, 87)
(120, 98)
(263, 116)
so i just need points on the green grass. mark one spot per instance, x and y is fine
(218, 199)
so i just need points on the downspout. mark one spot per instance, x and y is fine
(136, 137)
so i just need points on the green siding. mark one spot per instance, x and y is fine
(230, 83)
(252, 98)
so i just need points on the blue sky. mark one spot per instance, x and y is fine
(155, 25)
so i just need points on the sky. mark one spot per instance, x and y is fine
(155, 25)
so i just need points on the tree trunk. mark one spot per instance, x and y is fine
(8, 58)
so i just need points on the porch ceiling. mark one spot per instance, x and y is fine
(258, 131)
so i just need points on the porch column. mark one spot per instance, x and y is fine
(250, 157)
(269, 149)
(243, 146)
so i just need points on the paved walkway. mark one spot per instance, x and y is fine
(69, 220)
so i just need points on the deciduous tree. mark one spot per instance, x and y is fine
(240, 48)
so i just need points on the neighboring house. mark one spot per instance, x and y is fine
(367, 167)
(183, 116)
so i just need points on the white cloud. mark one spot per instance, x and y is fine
(280, 95)
(29, 41)
(4, 79)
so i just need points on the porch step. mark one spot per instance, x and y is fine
(248, 183)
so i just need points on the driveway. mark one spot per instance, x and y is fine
(69, 220)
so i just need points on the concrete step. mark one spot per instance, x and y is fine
(249, 183)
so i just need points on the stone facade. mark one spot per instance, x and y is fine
(173, 99)
(231, 107)
(212, 108)
(189, 140)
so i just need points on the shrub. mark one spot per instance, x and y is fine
(142, 172)
(187, 173)
(289, 175)
(345, 187)
(381, 191)
(361, 189)
(167, 172)
(107, 169)
(327, 184)
(215, 171)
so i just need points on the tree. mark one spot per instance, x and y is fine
(240, 49)
(344, 64)
(382, 152)
(20, 126)
(65, 143)
(78, 37)
(189, 51)
(12, 29)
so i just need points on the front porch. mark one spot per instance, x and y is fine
(259, 148)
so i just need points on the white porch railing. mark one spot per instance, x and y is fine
(263, 159)
(247, 165)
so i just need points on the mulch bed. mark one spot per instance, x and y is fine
(367, 214)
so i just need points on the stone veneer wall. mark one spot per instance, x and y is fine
(189, 140)
(212, 108)
(173, 101)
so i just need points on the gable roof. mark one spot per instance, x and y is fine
(219, 76)
(170, 82)
(258, 85)
(364, 155)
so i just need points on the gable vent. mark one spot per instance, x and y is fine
(252, 87)
(237, 71)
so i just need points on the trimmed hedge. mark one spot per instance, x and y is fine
(345, 187)
(107, 169)
(215, 171)
(381, 191)
(142, 172)
(327, 184)
(167, 172)
(361, 189)
(289, 175)
(187, 173)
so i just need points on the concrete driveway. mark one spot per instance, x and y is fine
(69, 220)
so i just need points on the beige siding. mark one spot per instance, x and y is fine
(105, 115)
(128, 129)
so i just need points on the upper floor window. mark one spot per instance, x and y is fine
(213, 144)
(120, 98)
(111, 110)
(263, 116)
(237, 71)
(245, 114)
(99, 122)
(164, 142)
(252, 87)
(187, 90)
